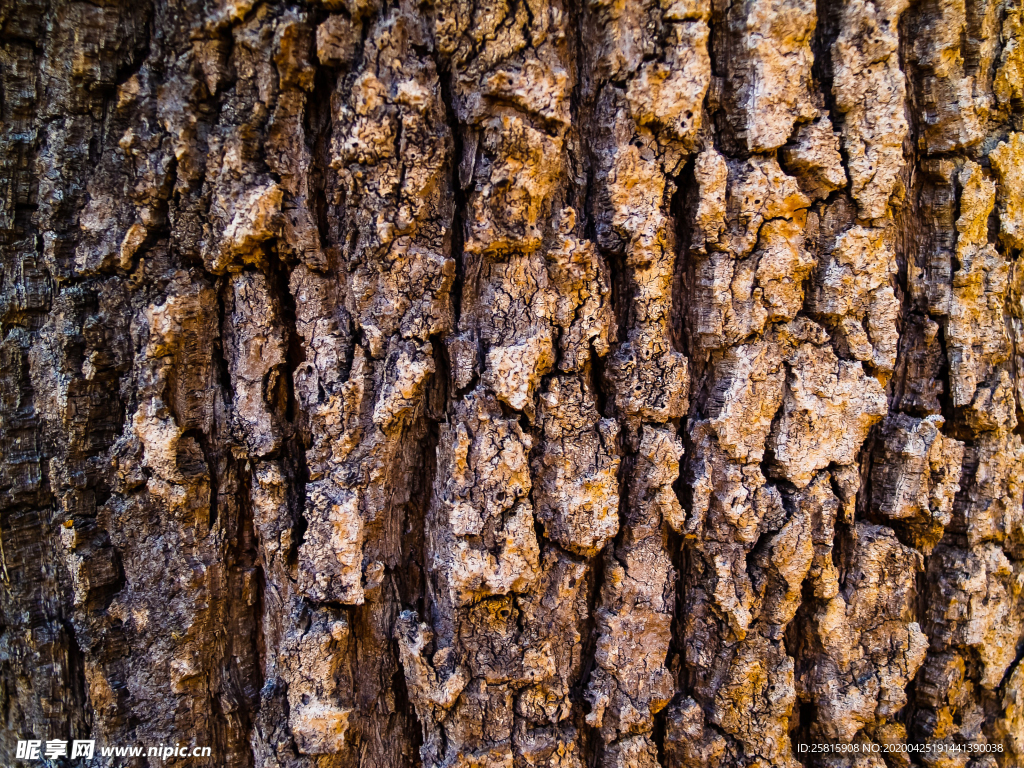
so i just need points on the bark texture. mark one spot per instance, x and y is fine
(506, 383)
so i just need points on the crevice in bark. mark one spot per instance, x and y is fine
(458, 185)
(682, 208)
(297, 475)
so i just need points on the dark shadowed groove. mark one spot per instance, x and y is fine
(460, 201)
(909, 235)
(317, 122)
(825, 33)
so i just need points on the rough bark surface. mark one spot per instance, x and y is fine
(506, 383)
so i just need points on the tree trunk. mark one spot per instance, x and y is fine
(488, 383)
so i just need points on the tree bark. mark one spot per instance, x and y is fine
(486, 383)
